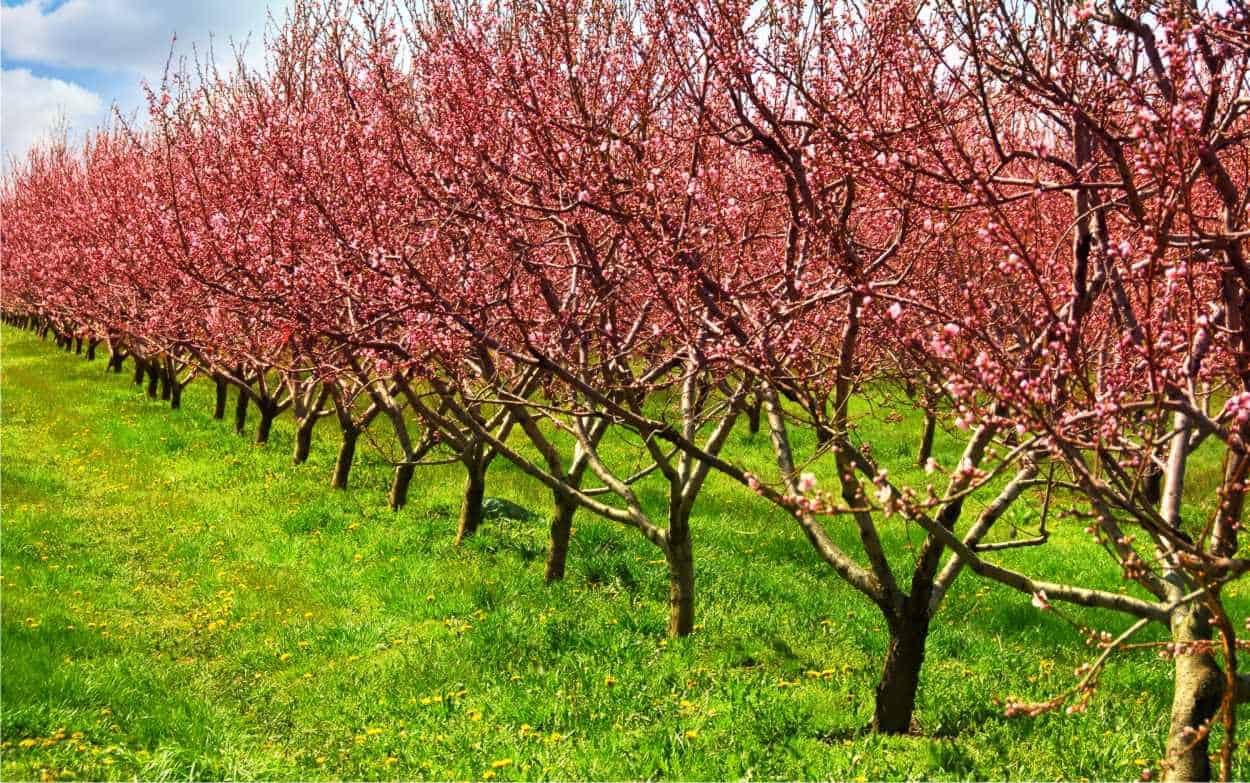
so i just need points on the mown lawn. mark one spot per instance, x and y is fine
(179, 603)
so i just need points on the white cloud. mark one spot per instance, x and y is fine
(129, 35)
(32, 107)
(114, 45)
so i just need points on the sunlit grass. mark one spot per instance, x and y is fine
(179, 603)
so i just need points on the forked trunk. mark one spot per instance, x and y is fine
(399, 485)
(900, 677)
(343, 463)
(471, 503)
(561, 530)
(1198, 686)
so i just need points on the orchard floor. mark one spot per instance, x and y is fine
(179, 603)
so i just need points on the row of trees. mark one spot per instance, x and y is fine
(524, 230)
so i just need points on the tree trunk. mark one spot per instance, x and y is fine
(1152, 486)
(140, 371)
(78, 345)
(824, 435)
(154, 377)
(561, 530)
(680, 556)
(115, 361)
(303, 440)
(167, 385)
(219, 406)
(926, 440)
(175, 394)
(343, 463)
(267, 415)
(900, 677)
(399, 486)
(1197, 689)
(471, 503)
(91, 345)
(753, 416)
(240, 413)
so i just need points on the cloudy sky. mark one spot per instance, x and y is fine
(67, 62)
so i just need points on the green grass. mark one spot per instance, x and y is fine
(179, 603)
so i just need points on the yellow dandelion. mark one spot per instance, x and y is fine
(501, 763)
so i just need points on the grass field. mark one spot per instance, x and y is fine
(179, 603)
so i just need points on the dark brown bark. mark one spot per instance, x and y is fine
(399, 486)
(824, 435)
(91, 346)
(78, 345)
(471, 503)
(900, 677)
(561, 531)
(267, 414)
(754, 410)
(240, 413)
(343, 463)
(1198, 686)
(167, 384)
(223, 389)
(303, 440)
(1152, 486)
(154, 378)
(926, 439)
(116, 359)
(680, 557)
(140, 371)
(175, 395)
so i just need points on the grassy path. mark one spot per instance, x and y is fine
(178, 603)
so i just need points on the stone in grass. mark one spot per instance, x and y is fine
(499, 508)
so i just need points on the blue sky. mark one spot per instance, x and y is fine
(66, 63)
